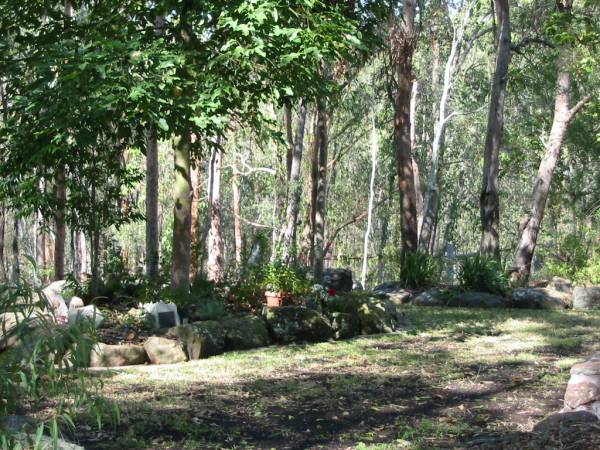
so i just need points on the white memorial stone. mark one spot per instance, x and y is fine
(165, 315)
(87, 312)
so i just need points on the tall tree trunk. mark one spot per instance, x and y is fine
(83, 256)
(61, 226)
(152, 233)
(402, 45)
(413, 144)
(323, 121)
(215, 265)
(197, 243)
(182, 215)
(563, 115)
(16, 266)
(489, 202)
(294, 190)
(3, 277)
(374, 152)
(308, 235)
(237, 221)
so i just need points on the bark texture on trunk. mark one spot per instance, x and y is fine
(215, 264)
(3, 277)
(196, 241)
(308, 235)
(237, 211)
(402, 40)
(413, 145)
(152, 233)
(323, 120)
(489, 202)
(182, 215)
(61, 227)
(563, 115)
(294, 190)
(374, 152)
(16, 265)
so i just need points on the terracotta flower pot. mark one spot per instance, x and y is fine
(277, 299)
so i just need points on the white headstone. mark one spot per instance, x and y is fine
(165, 315)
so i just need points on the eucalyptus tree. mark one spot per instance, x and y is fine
(569, 32)
(489, 201)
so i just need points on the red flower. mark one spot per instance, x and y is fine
(331, 292)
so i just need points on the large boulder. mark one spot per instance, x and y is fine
(540, 298)
(104, 355)
(297, 324)
(89, 312)
(583, 389)
(15, 325)
(394, 292)
(164, 351)
(201, 339)
(476, 300)
(431, 297)
(58, 307)
(586, 297)
(374, 315)
(561, 285)
(338, 279)
(344, 325)
(564, 420)
(245, 331)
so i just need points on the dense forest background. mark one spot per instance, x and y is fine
(168, 141)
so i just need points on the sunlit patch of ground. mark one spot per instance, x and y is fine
(455, 378)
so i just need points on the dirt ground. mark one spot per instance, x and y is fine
(454, 378)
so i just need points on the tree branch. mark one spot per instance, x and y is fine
(531, 40)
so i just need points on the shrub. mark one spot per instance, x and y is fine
(281, 278)
(42, 363)
(415, 270)
(478, 273)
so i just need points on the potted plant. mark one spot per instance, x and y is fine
(282, 286)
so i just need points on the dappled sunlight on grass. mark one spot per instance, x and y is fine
(452, 373)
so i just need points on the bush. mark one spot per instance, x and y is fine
(481, 274)
(416, 270)
(41, 362)
(281, 278)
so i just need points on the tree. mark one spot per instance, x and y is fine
(489, 201)
(215, 269)
(402, 39)
(563, 115)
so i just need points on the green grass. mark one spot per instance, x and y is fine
(451, 376)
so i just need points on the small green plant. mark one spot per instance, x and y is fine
(41, 362)
(281, 278)
(417, 270)
(481, 274)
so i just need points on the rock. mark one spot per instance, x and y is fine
(14, 326)
(344, 325)
(201, 339)
(564, 419)
(589, 367)
(586, 297)
(338, 279)
(376, 317)
(245, 331)
(89, 312)
(104, 355)
(165, 314)
(394, 292)
(476, 300)
(75, 303)
(357, 286)
(46, 443)
(540, 298)
(582, 389)
(297, 324)
(431, 297)
(56, 302)
(561, 285)
(164, 351)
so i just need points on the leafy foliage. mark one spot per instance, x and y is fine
(478, 273)
(283, 278)
(43, 362)
(417, 270)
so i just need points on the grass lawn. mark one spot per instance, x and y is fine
(454, 378)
